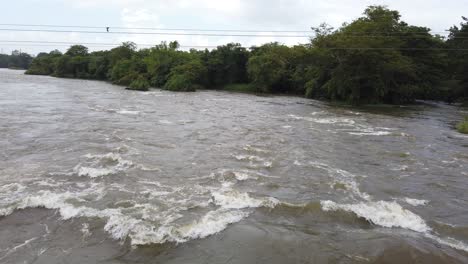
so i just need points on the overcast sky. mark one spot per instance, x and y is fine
(206, 14)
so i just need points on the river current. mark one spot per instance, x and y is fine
(93, 173)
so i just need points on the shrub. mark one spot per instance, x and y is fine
(180, 83)
(462, 127)
(140, 84)
(127, 79)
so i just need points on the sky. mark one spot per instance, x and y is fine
(267, 15)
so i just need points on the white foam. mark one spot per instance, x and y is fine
(241, 176)
(415, 202)
(145, 168)
(229, 177)
(400, 168)
(382, 213)
(451, 242)
(145, 223)
(255, 149)
(354, 128)
(100, 166)
(128, 112)
(165, 122)
(213, 222)
(329, 120)
(353, 113)
(85, 230)
(343, 121)
(343, 177)
(92, 172)
(297, 163)
(12, 187)
(237, 200)
(370, 132)
(248, 157)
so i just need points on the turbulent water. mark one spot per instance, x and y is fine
(93, 173)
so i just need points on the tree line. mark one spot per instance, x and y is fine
(17, 60)
(377, 58)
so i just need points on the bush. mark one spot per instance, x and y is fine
(185, 77)
(313, 90)
(462, 127)
(140, 84)
(180, 83)
(127, 79)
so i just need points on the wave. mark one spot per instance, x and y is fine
(329, 120)
(255, 161)
(451, 242)
(381, 213)
(225, 175)
(212, 223)
(390, 215)
(151, 226)
(351, 125)
(143, 223)
(370, 132)
(232, 199)
(102, 165)
(386, 214)
(341, 177)
(415, 202)
(249, 158)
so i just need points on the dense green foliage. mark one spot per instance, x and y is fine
(17, 60)
(376, 58)
(458, 58)
(462, 127)
(140, 84)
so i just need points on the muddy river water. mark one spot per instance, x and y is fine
(93, 173)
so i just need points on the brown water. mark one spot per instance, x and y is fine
(92, 173)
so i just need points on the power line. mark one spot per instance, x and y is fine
(152, 33)
(352, 35)
(158, 29)
(199, 29)
(97, 44)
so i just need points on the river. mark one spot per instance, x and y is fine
(93, 173)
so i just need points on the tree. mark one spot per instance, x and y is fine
(4, 60)
(77, 50)
(186, 77)
(161, 59)
(370, 60)
(63, 67)
(19, 60)
(226, 65)
(458, 57)
(268, 67)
